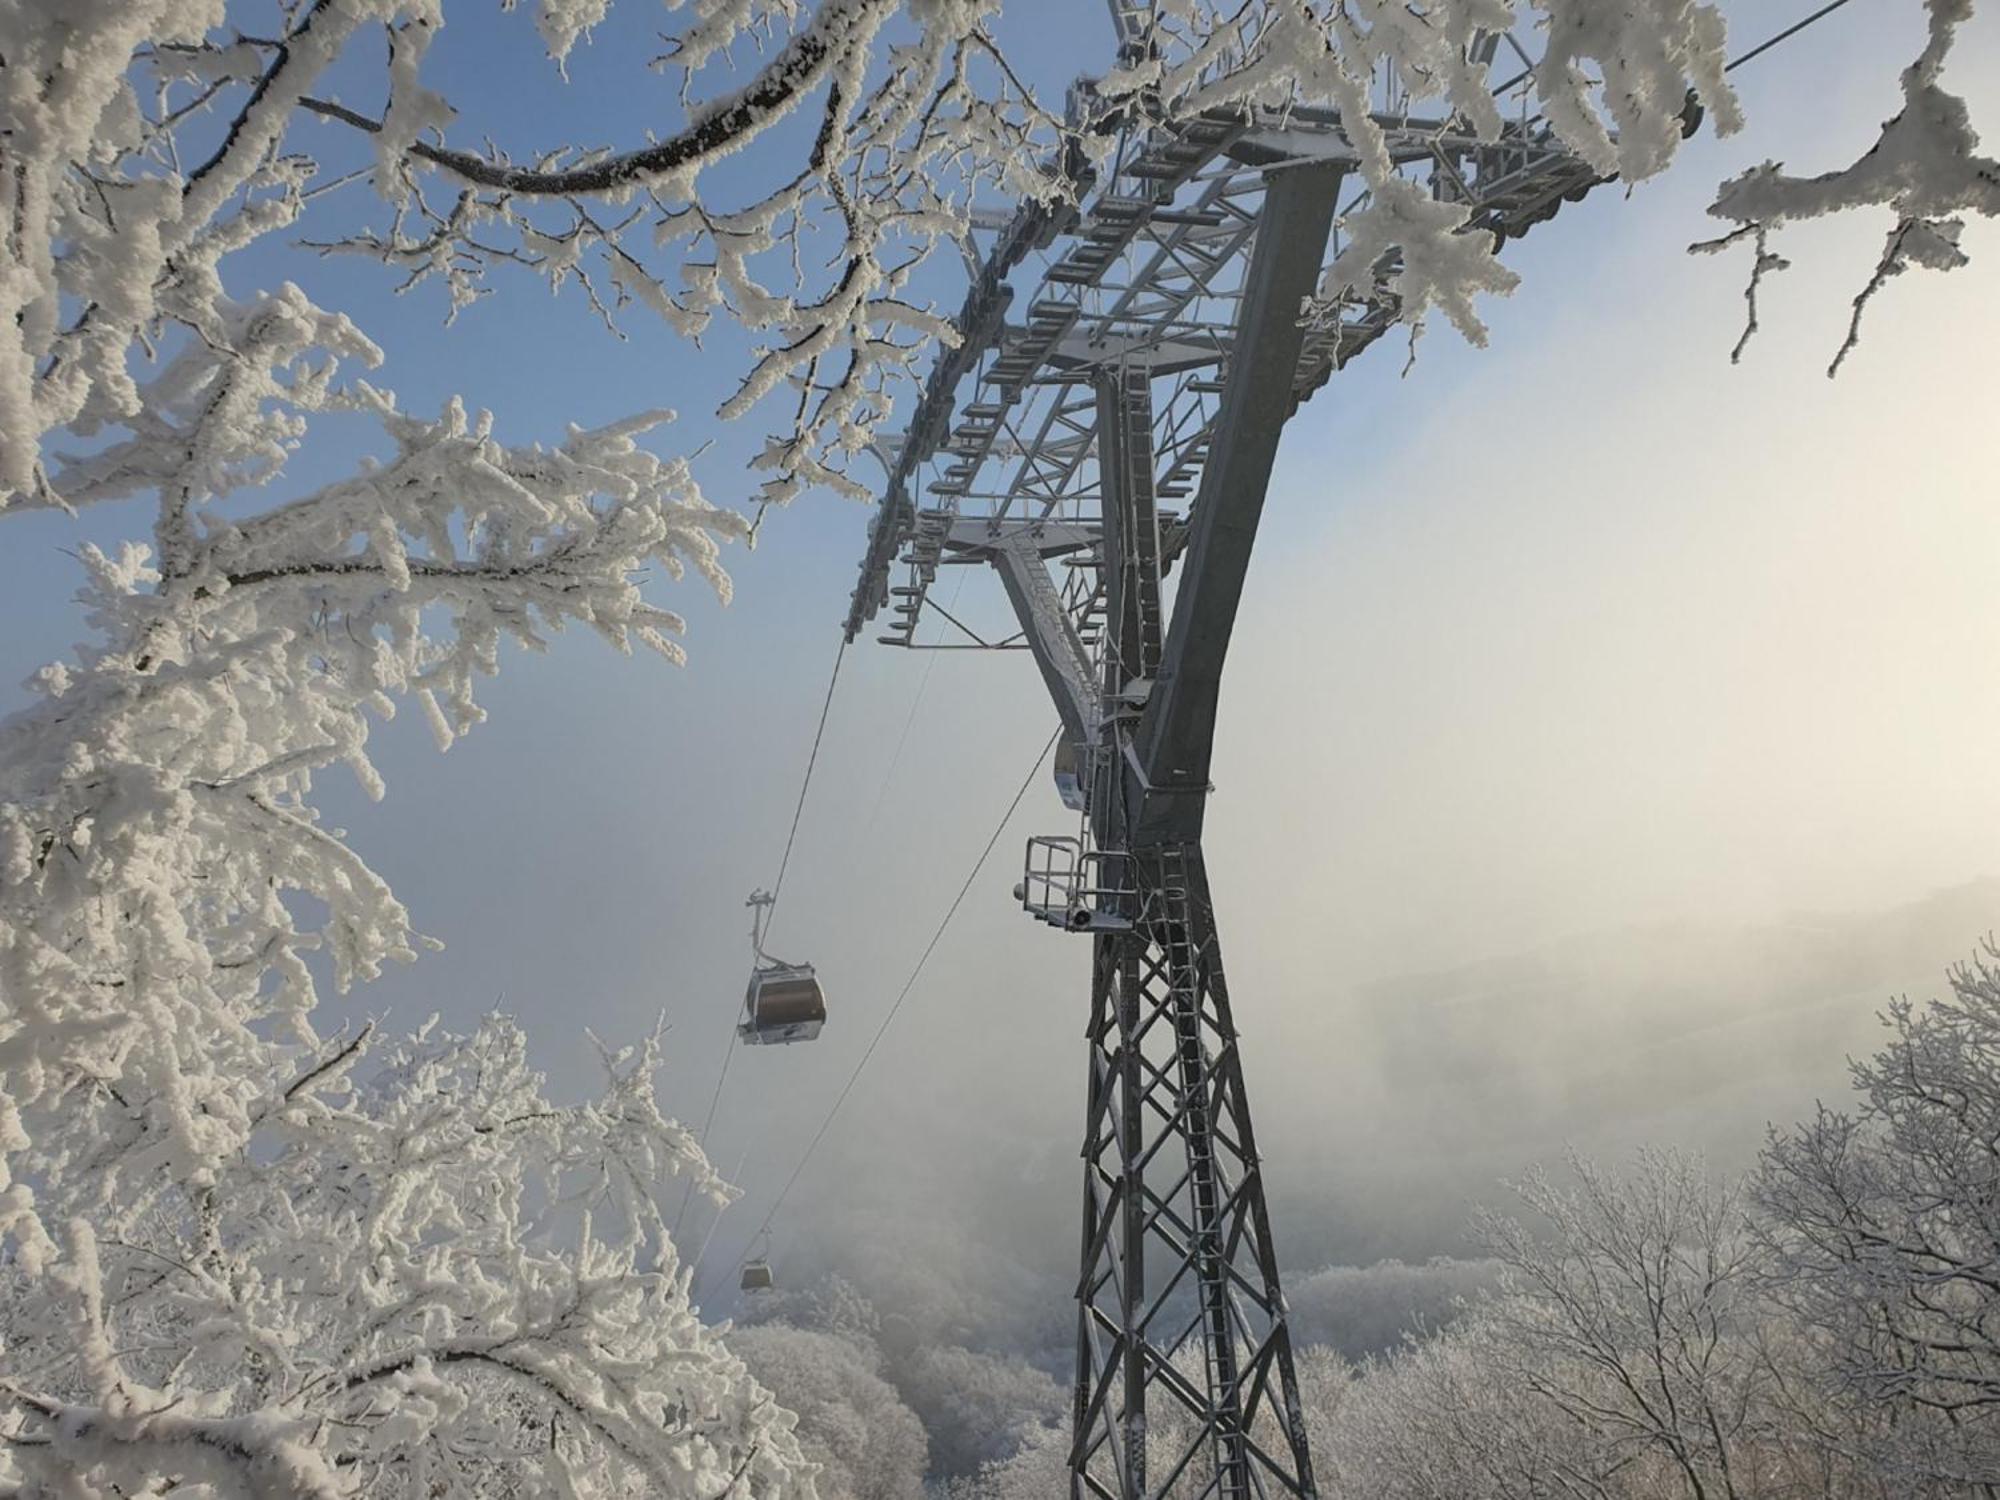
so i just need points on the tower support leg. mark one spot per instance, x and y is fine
(1180, 1317)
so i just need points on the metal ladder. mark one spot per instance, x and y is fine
(1177, 935)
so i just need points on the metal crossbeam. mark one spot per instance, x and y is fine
(1149, 273)
(1066, 666)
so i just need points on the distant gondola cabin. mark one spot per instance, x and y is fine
(756, 1276)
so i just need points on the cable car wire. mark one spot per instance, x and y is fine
(909, 985)
(770, 915)
(812, 760)
(721, 1077)
(916, 702)
(1729, 67)
(1787, 34)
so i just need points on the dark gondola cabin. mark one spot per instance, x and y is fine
(756, 1276)
(784, 1003)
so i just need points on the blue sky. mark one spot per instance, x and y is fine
(1583, 630)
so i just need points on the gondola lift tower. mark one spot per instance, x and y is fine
(1112, 434)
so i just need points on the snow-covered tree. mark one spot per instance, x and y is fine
(156, 822)
(1444, 1419)
(851, 1422)
(170, 901)
(975, 1405)
(1037, 1469)
(1882, 1226)
(419, 1278)
(1631, 1353)
(1628, 1355)
(1626, 1308)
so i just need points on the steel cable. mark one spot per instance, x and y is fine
(908, 986)
(770, 915)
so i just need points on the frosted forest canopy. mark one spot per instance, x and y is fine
(241, 1250)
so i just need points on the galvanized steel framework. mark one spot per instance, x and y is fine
(1156, 363)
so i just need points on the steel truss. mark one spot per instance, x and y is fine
(1122, 432)
(1177, 1252)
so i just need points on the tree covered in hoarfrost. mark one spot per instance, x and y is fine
(1882, 1230)
(1633, 1352)
(156, 821)
(975, 1404)
(170, 900)
(953, 1365)
(868, 1444)
(1039, 1467)
(1629, 1314)
(1442, 1418)
(422, 1279)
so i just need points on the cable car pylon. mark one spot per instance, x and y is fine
(1158, 361)
(1160, 358)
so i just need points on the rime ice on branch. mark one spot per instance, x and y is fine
(1925, 169)
(157, 829)
(427, 1280)
(1292, 52)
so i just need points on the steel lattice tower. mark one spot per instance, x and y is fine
(1157, 363)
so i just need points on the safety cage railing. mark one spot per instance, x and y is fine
(1079, 889)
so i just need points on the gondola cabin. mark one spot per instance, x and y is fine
(784, 1003)
(756, 1276)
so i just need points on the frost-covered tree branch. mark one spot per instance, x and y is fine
(1925, 169)
(156, 828)
(420, 1278)
(1658, 58)
(170, 902)
(1882, 1228)
(108, 218)
(1626, 1311)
